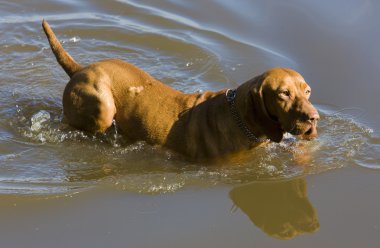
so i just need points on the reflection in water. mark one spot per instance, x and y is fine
(280, 209)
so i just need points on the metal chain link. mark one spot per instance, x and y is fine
(231, 96)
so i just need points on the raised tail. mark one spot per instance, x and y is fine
(64, 59)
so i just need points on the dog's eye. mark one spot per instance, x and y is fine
(285, 93)
(308, 92)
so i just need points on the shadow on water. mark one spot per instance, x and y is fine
(280, 209)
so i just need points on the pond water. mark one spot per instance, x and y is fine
(191, 46)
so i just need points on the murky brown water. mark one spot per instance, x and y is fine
(191, 46)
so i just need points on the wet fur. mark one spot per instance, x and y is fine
(199, 126)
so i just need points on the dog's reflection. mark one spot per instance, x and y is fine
(280, 209)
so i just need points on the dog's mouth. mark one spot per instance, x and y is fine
(304, 130)
(311, 133)
(307, 131)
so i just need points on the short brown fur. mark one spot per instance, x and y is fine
(200, 125)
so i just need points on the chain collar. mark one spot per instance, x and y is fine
(231, 96)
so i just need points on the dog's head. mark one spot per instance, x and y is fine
(282, 96)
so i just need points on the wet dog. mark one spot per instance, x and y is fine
(200, 126)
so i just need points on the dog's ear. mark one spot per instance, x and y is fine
(270, 127)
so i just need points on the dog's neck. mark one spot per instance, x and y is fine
(231, 95)
(253, 113)
(213, 130)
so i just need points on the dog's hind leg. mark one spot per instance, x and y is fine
(89, 107)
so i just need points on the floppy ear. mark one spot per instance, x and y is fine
(270, 127)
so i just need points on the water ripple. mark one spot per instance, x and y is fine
(142, 168)
(46, 156)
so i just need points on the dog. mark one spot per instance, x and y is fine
(200, 126)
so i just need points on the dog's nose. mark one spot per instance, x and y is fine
(313, 116)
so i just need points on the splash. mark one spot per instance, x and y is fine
(82, 161)
(38, 120)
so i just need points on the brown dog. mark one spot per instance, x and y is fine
(200, 126)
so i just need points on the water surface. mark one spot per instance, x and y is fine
(192, 47)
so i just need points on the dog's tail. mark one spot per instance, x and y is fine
(64, 59)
